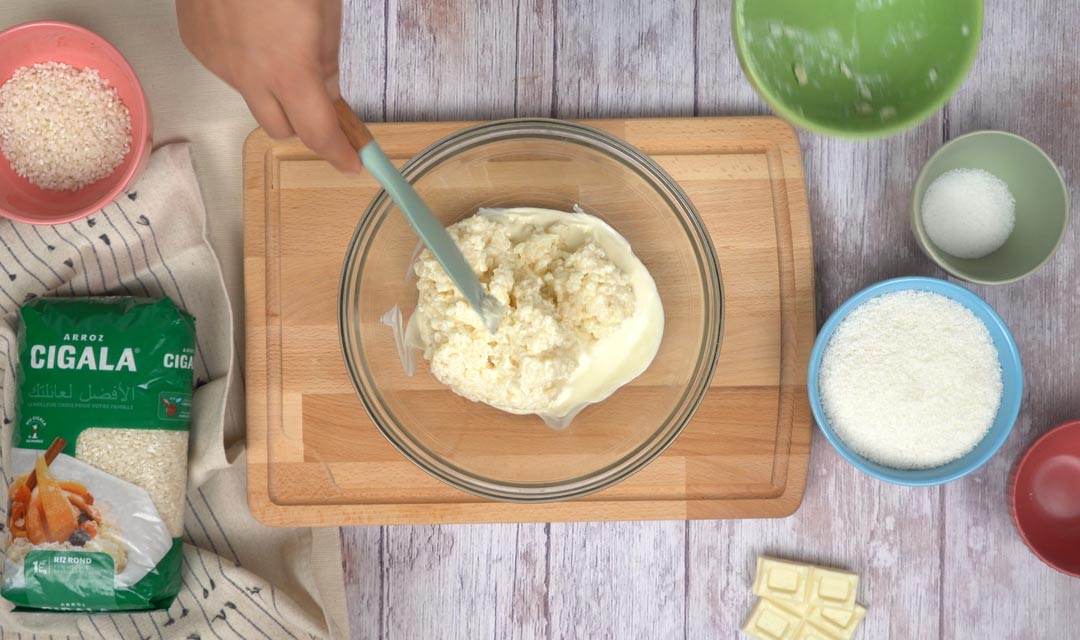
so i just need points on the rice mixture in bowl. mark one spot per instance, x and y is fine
(618, 311)
(583, 316)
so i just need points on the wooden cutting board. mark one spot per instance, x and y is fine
(745, 453)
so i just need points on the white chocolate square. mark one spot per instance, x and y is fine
(767, 621)
(801, 610)
(810, 632)
(782, 581)
(834, 589)
(839, 623)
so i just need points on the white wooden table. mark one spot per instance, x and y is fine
(936, 563)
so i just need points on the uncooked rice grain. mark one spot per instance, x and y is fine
(62, 128)
(153, 459)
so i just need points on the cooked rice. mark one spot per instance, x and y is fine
(62, 128)
(153, 459)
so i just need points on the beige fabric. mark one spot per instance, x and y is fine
(188, 103)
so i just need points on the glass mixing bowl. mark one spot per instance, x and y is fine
(555, 165)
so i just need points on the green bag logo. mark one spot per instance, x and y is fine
(91, 358)
(179, 361)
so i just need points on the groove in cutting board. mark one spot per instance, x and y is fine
(316, 459)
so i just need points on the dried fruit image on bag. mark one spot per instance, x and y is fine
(48, 513)
(99, 456)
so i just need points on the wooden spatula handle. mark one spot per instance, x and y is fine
(355, 129)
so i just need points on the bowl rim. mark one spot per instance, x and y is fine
(935, 254)
(1023, 462)
(644, 453)
(894, 127)
(953, 292)
(139, 140)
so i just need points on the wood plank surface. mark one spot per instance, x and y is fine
(1029, 86)
(937, 563)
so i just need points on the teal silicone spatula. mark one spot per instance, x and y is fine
(420, 217)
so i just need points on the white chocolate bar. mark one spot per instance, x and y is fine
(781, 580)
(767, 621)
(800, 601)
(839, 623)
(810, 632)
(834, 589)
(801, 610)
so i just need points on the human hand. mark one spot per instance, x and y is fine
(282, 56)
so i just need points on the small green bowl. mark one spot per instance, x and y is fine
(1042, 204)
(857, 68)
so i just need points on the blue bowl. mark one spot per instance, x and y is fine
(1012, 374)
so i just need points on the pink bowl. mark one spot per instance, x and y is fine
(43, 41)
(1046, 498)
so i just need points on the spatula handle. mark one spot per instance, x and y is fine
(355, 129)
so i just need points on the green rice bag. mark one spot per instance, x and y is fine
(96, 487)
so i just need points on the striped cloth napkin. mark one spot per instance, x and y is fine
(241, 579)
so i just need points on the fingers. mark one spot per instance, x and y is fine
(310, 111)
(303, 106)
(330, 39)
(268, 112)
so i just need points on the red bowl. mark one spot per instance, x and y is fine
(43, 41)
(1046, 498)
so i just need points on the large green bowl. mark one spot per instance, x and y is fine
(857, 68)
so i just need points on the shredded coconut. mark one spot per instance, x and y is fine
(62, 128)
(911, 380)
